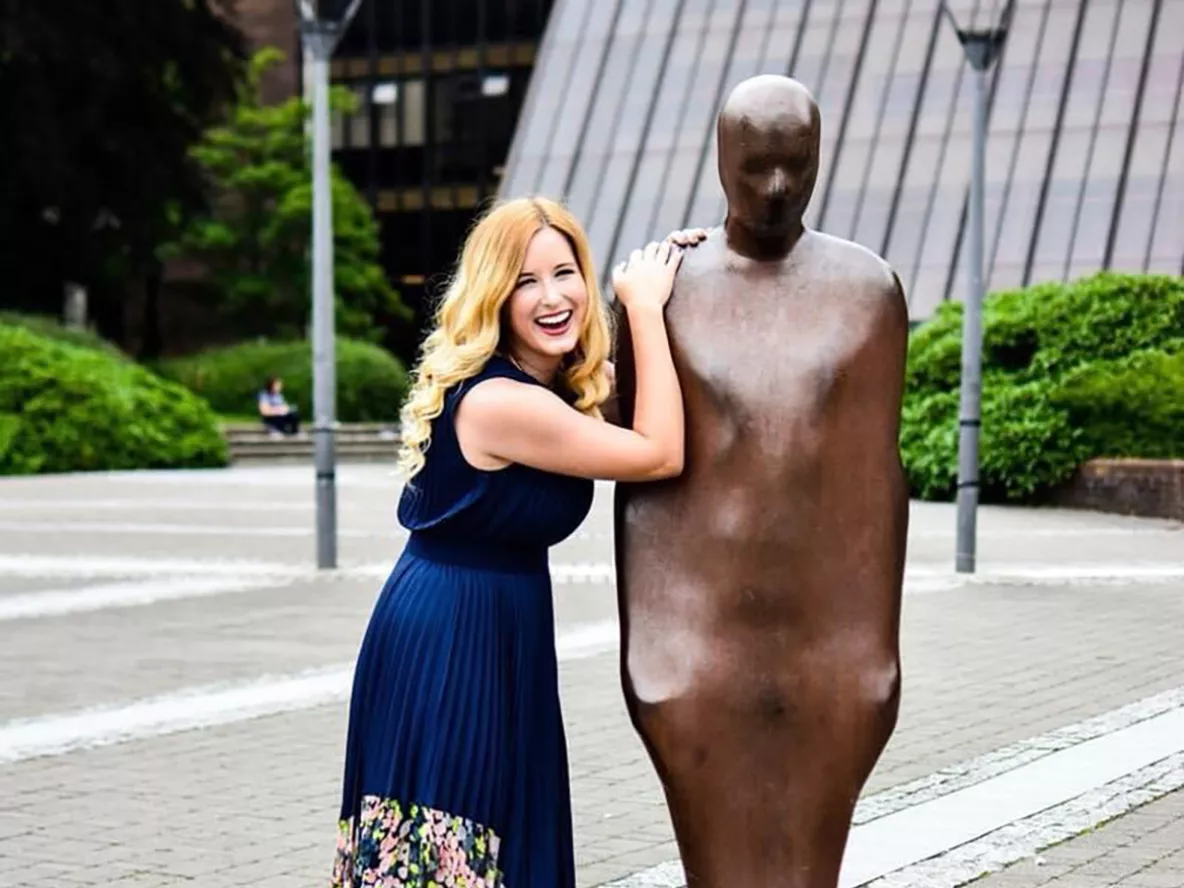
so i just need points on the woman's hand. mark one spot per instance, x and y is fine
(646, 279)
(688, 237)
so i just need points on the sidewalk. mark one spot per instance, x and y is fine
(185, 608)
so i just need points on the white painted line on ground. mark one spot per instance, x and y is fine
(45, 504)
(918, 578)
(945, 829)
(55, 602)
(1025, 838)
(917, 833)
(158, 528)
(87, 566)
(208, 706)
(972, 771)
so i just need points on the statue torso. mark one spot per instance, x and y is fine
(788, 521)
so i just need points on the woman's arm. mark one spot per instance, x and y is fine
(501, 421)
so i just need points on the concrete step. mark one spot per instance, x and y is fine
(356, 442)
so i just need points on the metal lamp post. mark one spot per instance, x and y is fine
(982, 47)
(320, 34)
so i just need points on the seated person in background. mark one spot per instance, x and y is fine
(275, 412)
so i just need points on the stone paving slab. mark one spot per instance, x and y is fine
(1142, 849)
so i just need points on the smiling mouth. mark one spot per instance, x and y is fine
(555, 324)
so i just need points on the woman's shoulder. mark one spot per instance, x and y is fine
(497, 367)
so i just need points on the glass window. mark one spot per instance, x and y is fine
(604, 116)
(696, 131)
(666, 117)
(1167, 245)
(745, 58)
(647, 50)
(560, 86)
(1140, 203)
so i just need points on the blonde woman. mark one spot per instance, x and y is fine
(456, 764)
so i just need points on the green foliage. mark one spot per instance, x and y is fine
(52, 328)
(371, 382)
(256, 241)
(66, 408)
(1070, 372)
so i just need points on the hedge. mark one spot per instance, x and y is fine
(371, 382)
(66, 408)
(52, 328)
(1071, 372)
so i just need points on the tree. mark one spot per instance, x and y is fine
(256, 239)
(99, 106)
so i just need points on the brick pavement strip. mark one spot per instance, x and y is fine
(1142, 849)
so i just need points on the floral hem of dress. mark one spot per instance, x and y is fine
(401, 845)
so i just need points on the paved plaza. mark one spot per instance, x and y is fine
(174, 676)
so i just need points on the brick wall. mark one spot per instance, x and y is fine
(1146, 487)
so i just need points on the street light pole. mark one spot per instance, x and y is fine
(982, 47)
(320, 37)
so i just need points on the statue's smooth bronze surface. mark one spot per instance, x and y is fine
(760, 592)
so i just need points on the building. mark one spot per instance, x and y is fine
(439, 87)
(1085, 158)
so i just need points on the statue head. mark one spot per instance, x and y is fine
(769, 130)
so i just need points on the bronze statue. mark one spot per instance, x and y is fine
(760, 592)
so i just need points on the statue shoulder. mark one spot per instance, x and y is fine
(870, 276)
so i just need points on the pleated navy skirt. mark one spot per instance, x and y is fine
(456, 762)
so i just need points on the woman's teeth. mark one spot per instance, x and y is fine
(554, 322)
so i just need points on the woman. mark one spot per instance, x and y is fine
(456, 769)
(277, 414)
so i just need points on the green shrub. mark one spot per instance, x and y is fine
(371, 382)
(66, 408)
(52, 328)
(1070, 372)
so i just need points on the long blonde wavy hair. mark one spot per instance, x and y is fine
(469, 329)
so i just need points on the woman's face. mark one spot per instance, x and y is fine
(549, 304)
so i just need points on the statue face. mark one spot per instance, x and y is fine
(768, 172)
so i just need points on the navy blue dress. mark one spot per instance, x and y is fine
(456, 762)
